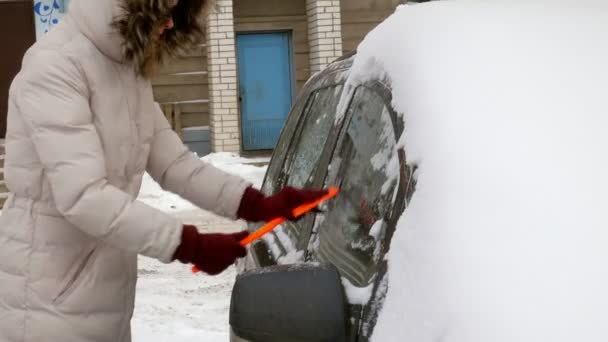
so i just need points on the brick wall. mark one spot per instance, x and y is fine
(224, 114)
(324, 32)
(325, 45)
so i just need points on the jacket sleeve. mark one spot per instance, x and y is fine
(53, 100)
(178, 170)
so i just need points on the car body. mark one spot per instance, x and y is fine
(448, 133)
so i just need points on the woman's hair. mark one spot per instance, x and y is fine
(142, 18)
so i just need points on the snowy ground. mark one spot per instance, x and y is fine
(153, 195)
(173, 304)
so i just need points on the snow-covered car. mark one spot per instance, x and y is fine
(469, 141)
(355, 231)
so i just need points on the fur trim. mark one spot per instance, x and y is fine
(142, 18)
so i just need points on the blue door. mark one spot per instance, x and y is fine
(265, 87)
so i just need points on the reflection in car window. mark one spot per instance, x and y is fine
(274, 169)
(312, 136)
(365, 167)
(265, 251)
(300, 164)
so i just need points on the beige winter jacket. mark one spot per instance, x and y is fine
(82, 129)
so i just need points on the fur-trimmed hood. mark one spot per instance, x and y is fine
(123, 29)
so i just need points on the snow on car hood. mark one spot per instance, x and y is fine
(505, 106)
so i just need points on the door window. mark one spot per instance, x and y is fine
(367, 168)
(273, 177)
(287, 242)
(312, 137)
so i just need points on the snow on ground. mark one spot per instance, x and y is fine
(504, 104)
(172, 304)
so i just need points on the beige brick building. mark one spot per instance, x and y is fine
(234, 92)
(207, 94)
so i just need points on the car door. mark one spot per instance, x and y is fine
(376, 183)
(296, 161)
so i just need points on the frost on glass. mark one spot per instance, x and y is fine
(353, 230)
(272, 179)
(313, 136)
(301, 160)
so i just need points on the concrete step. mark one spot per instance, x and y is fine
(3, 187)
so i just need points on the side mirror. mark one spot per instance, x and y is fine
(292, 303)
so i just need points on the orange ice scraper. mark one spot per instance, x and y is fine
(297, 212)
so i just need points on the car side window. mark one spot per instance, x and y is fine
(274, 169)
(261, 250)
(367, 167)
(302, 158)
(312, 136)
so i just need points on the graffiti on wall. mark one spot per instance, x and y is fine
(48, 13)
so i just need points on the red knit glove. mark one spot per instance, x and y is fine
(255, 207)
(210, 253)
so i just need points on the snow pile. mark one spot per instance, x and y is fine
(173, 304)
(287, 253)
(357, 295)
(152, 194)
(248, 168)
(506, 236)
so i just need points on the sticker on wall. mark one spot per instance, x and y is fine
(48, 13)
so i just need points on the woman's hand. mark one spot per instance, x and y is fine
(210, 253)
(256, 207)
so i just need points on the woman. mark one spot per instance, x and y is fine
(82, 129)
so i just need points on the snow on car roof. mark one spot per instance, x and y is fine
(506, 111)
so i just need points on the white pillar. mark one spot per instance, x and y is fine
(324, 32)
(223, 98)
